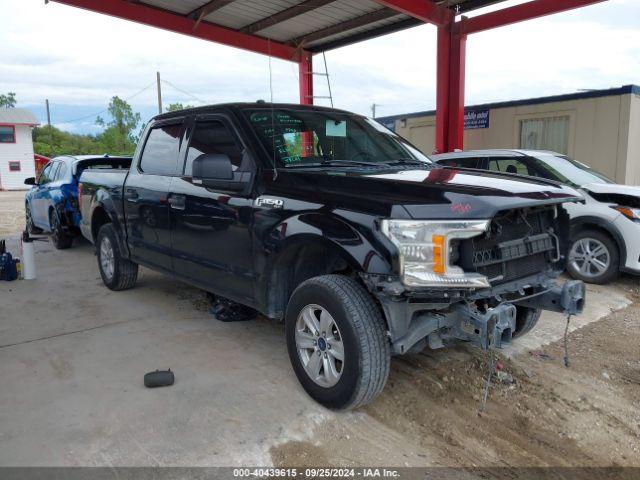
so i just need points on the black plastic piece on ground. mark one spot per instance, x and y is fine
(159, 378)
(228, 311)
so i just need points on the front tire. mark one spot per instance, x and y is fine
(59, 238)
(593, 258)
(337, 342)
(117, 272)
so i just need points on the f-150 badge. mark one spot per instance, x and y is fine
(269, 202)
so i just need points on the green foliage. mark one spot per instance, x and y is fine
(50, 142)
(118, 137)
(8, 100)
(173, 107)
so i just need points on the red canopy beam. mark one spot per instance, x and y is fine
(424, 10)
(155, 17)
(519, 13)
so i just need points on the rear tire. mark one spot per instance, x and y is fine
(345, 322)
(526, 319)
(117, 272)
(593, 257)
(59, 238)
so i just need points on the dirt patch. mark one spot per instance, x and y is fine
(547, 415)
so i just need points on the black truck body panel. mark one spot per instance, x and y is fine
(241, 245)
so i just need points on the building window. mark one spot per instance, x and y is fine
(551, 133)
(7, 134)
(14, 166)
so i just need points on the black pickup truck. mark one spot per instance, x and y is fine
(333, 223)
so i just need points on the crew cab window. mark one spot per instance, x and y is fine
(509, 165)
(213, 137)
(160, 154)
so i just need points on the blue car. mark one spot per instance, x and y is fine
(52, 203)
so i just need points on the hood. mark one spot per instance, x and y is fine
(612, 188)
(436, 193)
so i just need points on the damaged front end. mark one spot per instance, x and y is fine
(495, 276)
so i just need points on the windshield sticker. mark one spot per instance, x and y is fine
(336, 128)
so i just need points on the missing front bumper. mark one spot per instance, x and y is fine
(490, 328)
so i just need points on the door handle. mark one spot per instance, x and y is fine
(177, 202)
(131, 195)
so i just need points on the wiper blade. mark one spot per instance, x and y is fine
(350, 162)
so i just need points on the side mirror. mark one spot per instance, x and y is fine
(212, 166)
(215, 171)
(30, 181)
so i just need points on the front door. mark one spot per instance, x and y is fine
(146, 195)
(211, 230)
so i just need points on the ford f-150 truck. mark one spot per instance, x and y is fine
(333, 223)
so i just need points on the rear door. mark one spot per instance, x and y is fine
(146, 193)
(211, 230)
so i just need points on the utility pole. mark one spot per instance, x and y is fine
(159, 92)
(48, 113)
(373, 109)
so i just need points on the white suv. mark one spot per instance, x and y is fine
(605, 230)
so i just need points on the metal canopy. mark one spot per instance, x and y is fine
(296, 29)
(312, 25)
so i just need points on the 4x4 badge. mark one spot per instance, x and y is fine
(269, 202)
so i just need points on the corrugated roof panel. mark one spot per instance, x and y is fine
(347, 34)
(244, 12)
(323, 17)
(182, 7)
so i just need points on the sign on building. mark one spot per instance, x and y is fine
(476, 119)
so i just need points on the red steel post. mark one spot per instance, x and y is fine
(457, 74)
(442, 89)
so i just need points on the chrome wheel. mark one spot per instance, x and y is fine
(320, 345)
(107, 261)
(590, 257)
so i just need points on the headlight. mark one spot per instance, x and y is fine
(630, 213)
(426, 249)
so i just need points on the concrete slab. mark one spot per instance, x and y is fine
(73, 355)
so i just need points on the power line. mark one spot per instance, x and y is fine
(184, 91)
(107, 109)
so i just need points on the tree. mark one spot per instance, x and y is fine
(50, 142)
(173, 107)
(8, 100)
(118, 136)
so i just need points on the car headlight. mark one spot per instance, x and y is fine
(630, 213)
(427, 248)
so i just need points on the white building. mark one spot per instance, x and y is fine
(16, 148)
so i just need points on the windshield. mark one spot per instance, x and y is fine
(299, 138)
(571, 172)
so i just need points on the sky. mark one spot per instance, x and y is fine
(79, 60)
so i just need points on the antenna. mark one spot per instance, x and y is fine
(273, 121)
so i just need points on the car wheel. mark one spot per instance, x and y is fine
(593, 257)
(31, 227)
(59, 238)
(526, 319)
(117, 272)
(337, 341)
